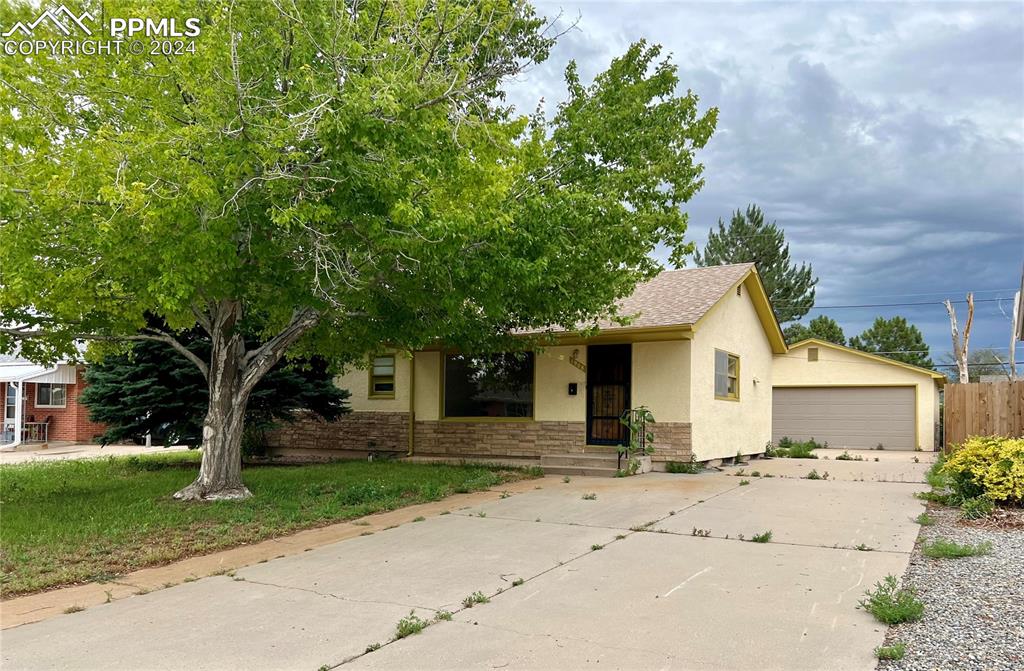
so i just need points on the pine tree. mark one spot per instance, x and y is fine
(896, 339)
(821, 327)
(151, 389)
(749, 238)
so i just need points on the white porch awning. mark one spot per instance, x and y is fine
(29, 372)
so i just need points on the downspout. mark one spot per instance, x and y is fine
(412, 404)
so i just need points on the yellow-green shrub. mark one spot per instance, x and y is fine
(987, 466)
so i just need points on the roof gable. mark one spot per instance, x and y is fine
(938, 377)
(679, 299)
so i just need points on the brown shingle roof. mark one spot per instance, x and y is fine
(676, 297)
(679, 296)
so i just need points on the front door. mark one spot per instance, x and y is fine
(608, 374)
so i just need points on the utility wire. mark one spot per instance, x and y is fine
(885, 305)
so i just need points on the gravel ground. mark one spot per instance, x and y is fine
(974, 606)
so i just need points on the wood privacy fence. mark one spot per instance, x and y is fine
(983, 409)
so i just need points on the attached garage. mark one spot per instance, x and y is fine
(855, 418)
(853, 400)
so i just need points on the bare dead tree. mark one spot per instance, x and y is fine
(960, 347)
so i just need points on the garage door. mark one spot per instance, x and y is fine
(846, 417)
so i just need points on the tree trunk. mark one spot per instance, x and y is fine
(220, 474)
(232, 374)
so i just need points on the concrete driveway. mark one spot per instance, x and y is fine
(616, 581)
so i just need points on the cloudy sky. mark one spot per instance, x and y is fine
(886, 139)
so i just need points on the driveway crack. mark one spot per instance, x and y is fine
(338, 596)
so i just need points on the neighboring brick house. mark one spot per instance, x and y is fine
(50, 409)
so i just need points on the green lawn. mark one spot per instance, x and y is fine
(90, 520)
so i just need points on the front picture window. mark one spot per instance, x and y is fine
(491, 385)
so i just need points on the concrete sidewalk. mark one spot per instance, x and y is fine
(64, 451)
(570, 585)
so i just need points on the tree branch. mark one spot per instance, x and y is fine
(152, 335)
(258, 361)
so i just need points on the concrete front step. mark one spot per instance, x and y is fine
(590, 460)
(595, 471)
(602, 464)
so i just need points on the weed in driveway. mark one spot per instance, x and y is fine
(517, 582)
(595, 547)
(744, 483)
(703, 533)
(481, 514)
(566, 479)
(643, 527)
(763, 537)
(944, 548)
(445, 615)
(73, 609)
(410, 625)
(863, 548)
(892, 604)
(813, 475)
(894, 651)
(370, 648)
(475, 598)
(755, 474)
(691, 467)
(590, 496)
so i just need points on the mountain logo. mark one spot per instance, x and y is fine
(62, 18)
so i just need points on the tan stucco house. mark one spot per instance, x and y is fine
(853, 400)
(699, 355)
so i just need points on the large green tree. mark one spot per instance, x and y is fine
(821, 327)
(346, 173)
(749, 238)
(894, 338)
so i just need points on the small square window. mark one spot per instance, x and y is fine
(382, 376)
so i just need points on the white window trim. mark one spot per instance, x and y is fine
(51, 405)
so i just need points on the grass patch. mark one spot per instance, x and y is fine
(813, 475)
(943, 548)
(892, 604)
(83, 520)
(925, 520)
(763, 537)
(977, 508)
(894, 651)
(744, 483)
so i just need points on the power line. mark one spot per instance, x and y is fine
(886, 305)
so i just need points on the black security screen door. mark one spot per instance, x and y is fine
(608, 375)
